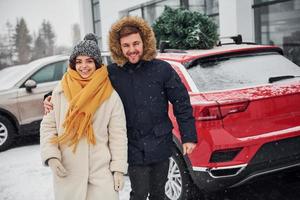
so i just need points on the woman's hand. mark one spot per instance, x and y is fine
(57, 168)
(118, 180)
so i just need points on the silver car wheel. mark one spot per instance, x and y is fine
(3, 133)
(173, 186)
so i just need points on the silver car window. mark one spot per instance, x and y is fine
(49, 73)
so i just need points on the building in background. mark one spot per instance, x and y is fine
(261, 21)
(97, 16)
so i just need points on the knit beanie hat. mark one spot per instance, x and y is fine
(87, 47)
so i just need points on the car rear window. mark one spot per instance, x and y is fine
(240, 71)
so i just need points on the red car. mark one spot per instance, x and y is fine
(246, 101)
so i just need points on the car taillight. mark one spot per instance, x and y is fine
(233, 106)
(208, 113)
(220, 109)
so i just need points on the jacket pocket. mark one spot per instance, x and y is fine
(163, 128)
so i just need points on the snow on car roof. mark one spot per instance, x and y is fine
(188, 55)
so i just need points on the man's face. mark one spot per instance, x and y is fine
(132, 47)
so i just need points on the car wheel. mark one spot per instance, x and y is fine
(7, 133)
(180, 185)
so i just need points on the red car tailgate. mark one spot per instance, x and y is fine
(271, 108)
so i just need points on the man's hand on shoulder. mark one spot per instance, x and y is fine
(48, 106)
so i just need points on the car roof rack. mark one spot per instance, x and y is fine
(163, 48)
(237, 39)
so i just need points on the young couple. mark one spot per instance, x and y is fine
(84, 136)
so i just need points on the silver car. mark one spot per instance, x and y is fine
(22, 89)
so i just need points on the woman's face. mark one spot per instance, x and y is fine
(85, 66)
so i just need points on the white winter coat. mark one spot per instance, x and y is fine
(90, 167)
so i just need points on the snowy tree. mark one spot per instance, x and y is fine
(46, 33)
(76, 36)
(3, 55)
(39, 49)
(7, 46)
(22, 40)
(10, 42)
(185, 29)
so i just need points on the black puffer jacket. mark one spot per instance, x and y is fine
(145, 89)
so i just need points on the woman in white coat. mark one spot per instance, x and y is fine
(83, 139)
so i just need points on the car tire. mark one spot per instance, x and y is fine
(7, 133)
(180, 185)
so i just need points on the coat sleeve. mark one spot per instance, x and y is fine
(178, 95)
(47, 131)
(47, 95)
(118, 136)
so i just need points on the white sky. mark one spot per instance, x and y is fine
(62, 14)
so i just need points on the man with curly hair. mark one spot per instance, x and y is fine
(146, 85)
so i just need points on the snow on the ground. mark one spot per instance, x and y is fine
(23, 177)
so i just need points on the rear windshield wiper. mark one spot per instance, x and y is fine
(278, 78)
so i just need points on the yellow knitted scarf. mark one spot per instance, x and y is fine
(84, 97)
